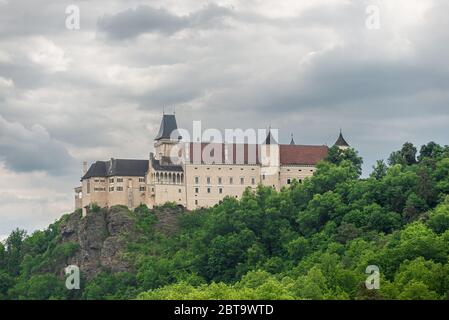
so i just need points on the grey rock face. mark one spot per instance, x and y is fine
(101, 236)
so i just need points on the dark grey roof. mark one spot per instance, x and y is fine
(341, 142)
(270, 139)
(168, 125)
(117, 167)
(165, 165)
(292, 142)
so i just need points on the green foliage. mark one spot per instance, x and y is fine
(337, 155)
(405, 156)
(439, 217)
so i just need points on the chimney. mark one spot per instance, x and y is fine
(84, 167)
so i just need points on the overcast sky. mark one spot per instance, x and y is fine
(305, 67)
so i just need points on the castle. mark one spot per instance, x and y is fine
(195, 174)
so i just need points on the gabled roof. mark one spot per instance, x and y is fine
(302, 155)
(168, 125)
(117, 167)
(341, 142)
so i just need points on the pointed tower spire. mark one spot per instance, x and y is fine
(341, 142)
(168, 125)
(292, 142)
(270, 139)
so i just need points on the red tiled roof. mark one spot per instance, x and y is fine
(241, 153)
(305, 155)
(289, 154)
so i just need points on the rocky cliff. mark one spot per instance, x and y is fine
(103, 235)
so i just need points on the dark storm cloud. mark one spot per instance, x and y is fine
(145, 19)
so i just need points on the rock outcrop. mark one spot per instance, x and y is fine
(101, 236)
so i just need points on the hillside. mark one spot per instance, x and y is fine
(313, 240)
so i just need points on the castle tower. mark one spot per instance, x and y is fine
(165, 140)
(341, 142)
(270, 159)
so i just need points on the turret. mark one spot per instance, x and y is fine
(270, 160)
(341, 142)
(292, 142)
(165, 140)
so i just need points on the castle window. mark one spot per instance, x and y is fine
(111, 180)
(119, 188)
(289, 181)
(263, 177)
(220, 190)
(179, 190)
(219, 180)
(196, 202)
(119, 179)
(208, 190)
(142, 188)
(231, 180)
(97, 180)
(197, 180)
(88, 186)
(141, 179)
(197, 190)
(111, 189)
(208, 180)
(253, 181)
(242, 180)
(300, 180)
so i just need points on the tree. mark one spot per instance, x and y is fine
(337, 155)
(379, 170)
(14, 254)
(312, 286)
(413, 206)
(439, 217)
(431, 150)
(405, 156)
(417, 290)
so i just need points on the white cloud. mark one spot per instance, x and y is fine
(47, 54)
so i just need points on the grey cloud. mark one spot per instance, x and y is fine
(27, 150)
(145, 19)
(230, 68)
